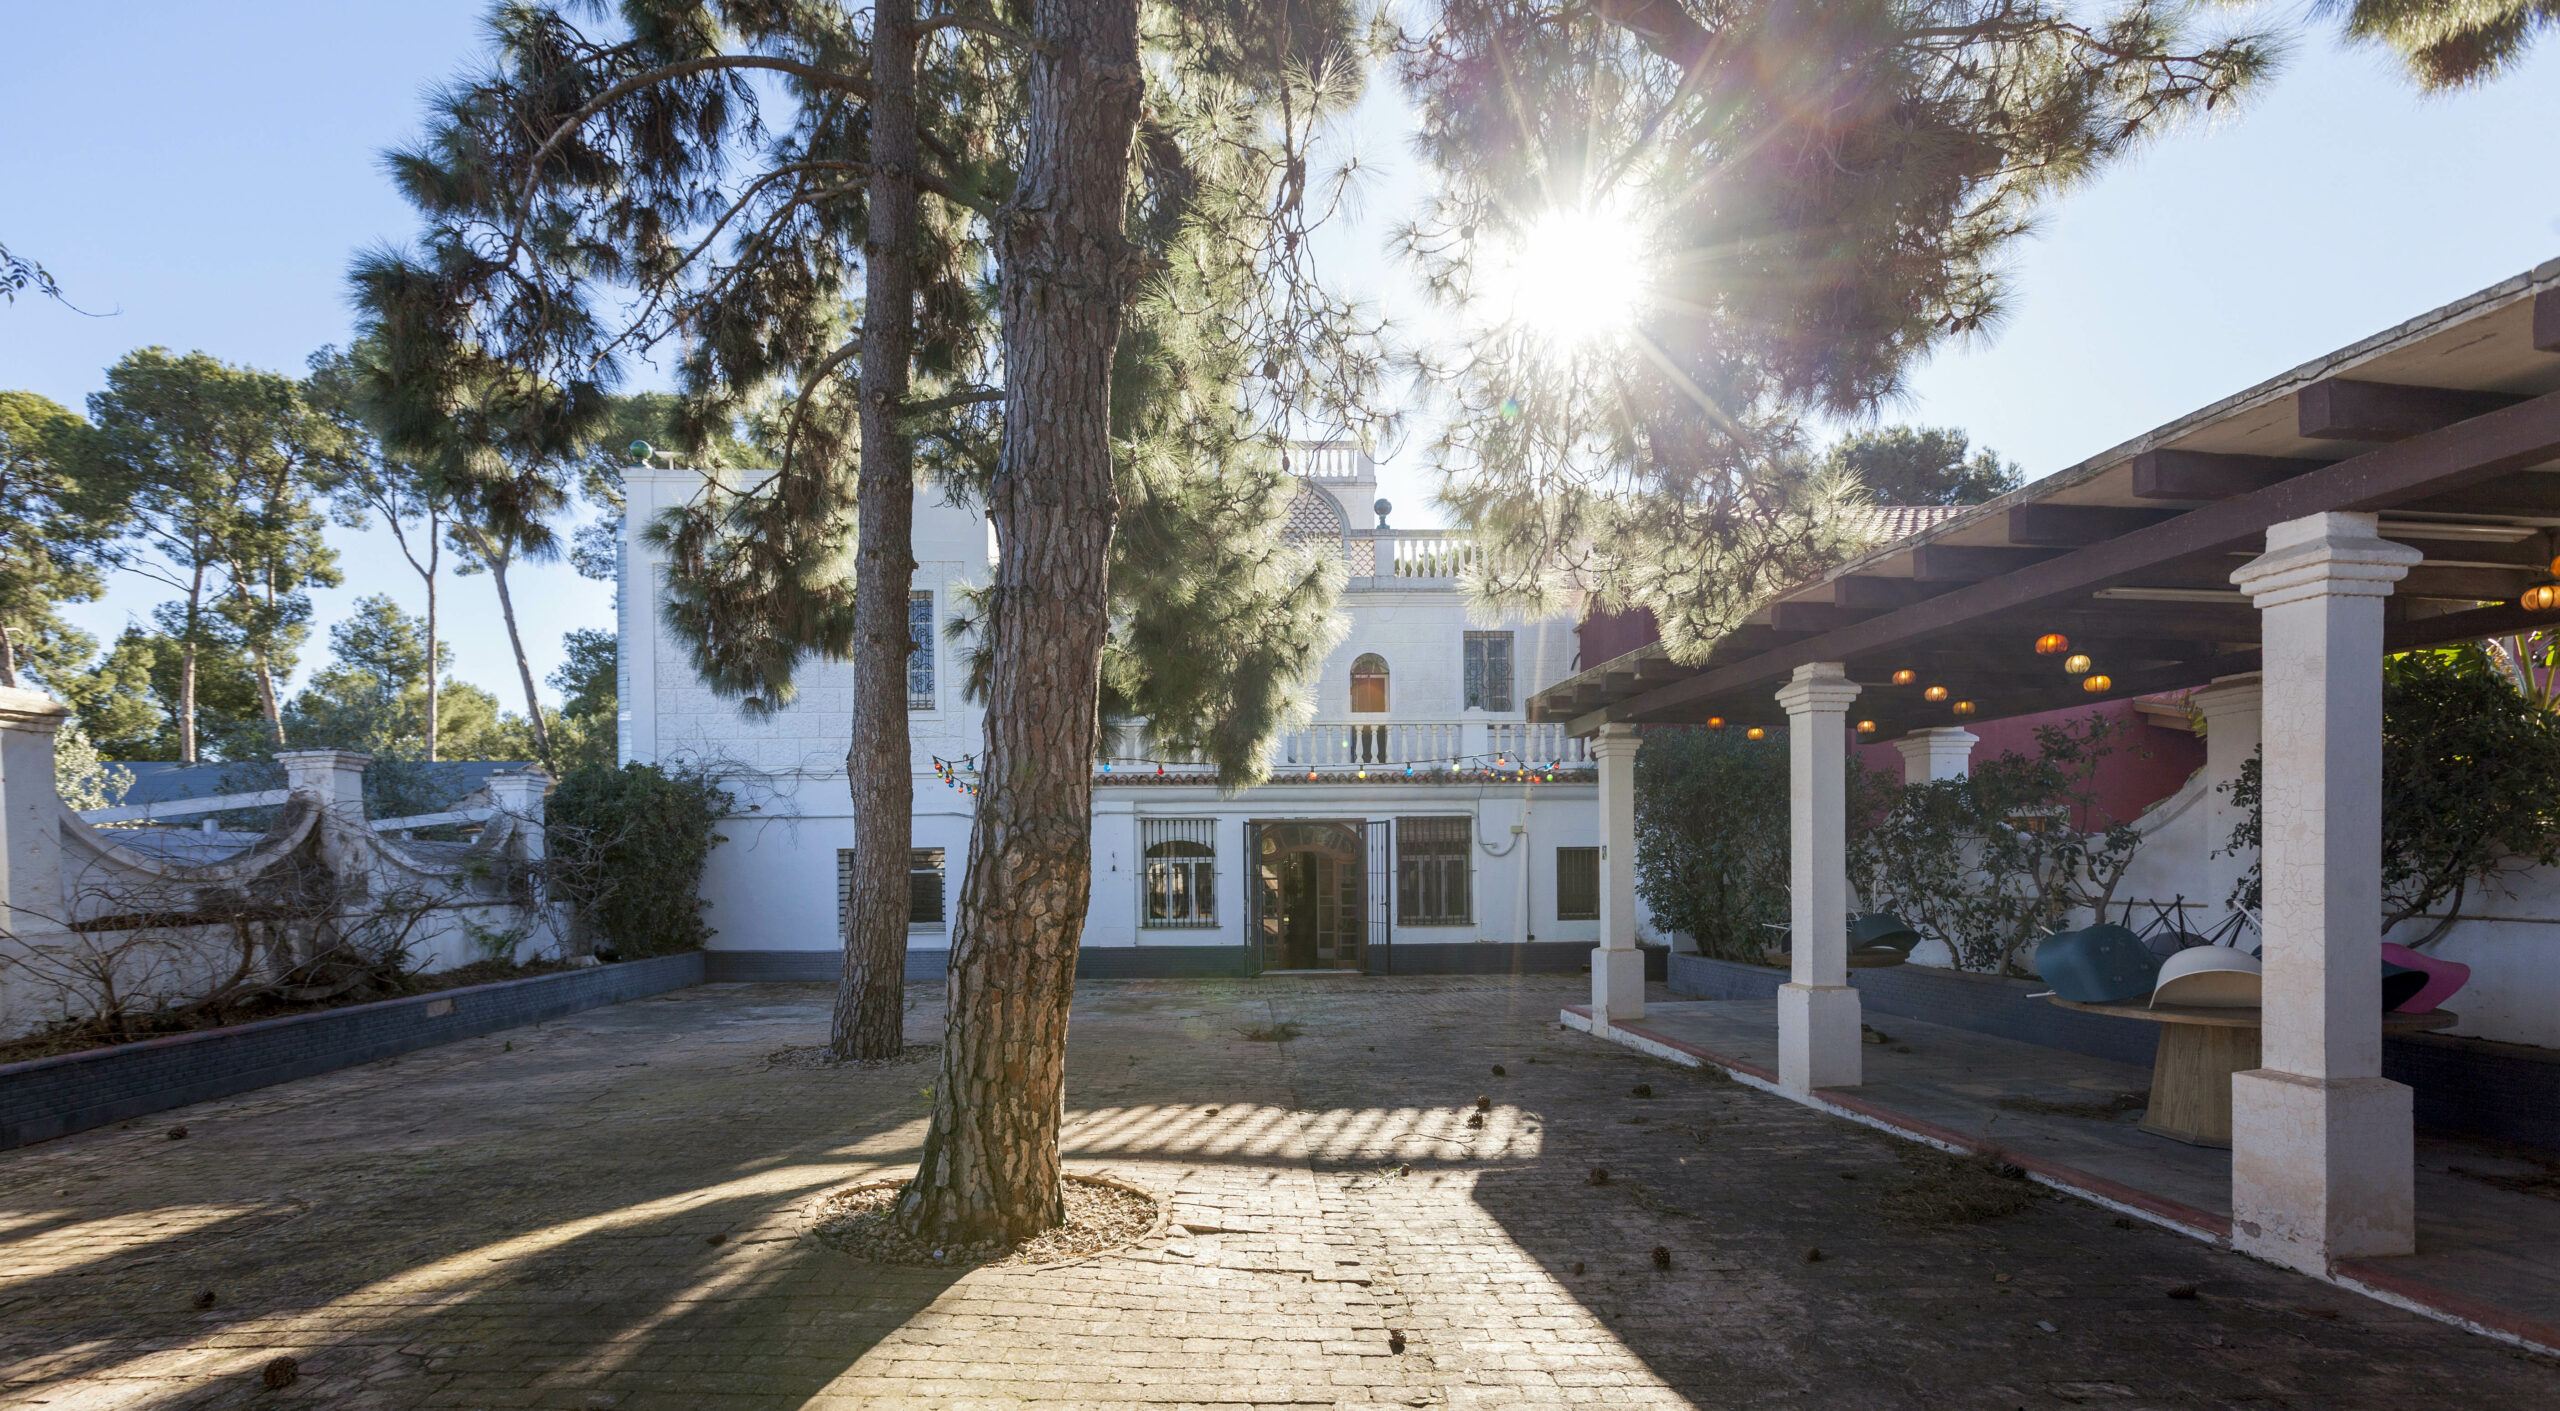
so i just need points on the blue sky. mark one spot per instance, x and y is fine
(205, 172)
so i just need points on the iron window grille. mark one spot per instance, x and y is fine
(1488, 671)
(920, 654)
(1179, 872)
(924, 888)
(1577, 884)
(1432, 871)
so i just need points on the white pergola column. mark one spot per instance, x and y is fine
(2322, 1161)
(2230, 710)
(1942, 752)
(1617, 967)
(1817, 1011)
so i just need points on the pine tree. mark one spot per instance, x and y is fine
(2450, 43)
(583, 159)
(219, 470)
(1908, 465)
(1817, 195)
(57, 530)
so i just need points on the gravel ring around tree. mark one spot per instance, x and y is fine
(1103, 1214)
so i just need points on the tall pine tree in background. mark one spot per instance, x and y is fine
(585, 161)
(220, 470)
(1816, 195)
(57, 531)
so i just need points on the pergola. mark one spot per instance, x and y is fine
(2399, 493)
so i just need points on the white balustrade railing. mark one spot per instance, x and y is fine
(1427, 554)
(1345, 744)
(1536, 741)
(1331, 460)
(1429, 745)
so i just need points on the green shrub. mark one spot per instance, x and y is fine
(627, 848)
(2470, 789)
(1711, 837)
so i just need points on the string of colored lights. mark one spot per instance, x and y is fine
(961, 774)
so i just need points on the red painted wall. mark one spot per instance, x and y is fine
(2150, 763)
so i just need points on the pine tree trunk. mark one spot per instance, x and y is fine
(990, 1167)
(8, 658)
(870, 1017)
(187, 670)
(267, 704)
(435, 721)
(524, 668)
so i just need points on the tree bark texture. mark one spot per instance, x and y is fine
(870, 1017)
(990, 1168)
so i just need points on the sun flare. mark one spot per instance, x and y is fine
(1575, 276)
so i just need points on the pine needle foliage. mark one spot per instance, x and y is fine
(1822, 193)
(2448, 44)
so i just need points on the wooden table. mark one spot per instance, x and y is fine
(2201, 1048)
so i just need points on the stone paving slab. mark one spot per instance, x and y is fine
(2486, 1252)
(607, 1211)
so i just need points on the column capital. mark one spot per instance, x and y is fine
(2334, 554)
(1611, 741)
(2230, 695)
(31, 710)
(1939, 752)
(1818, 686)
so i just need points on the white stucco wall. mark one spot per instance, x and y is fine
(772, 884)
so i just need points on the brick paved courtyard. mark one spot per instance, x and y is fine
(608, 1211)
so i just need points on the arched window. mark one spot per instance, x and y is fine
(1369, 684)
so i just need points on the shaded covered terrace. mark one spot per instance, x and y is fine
(2396, 494)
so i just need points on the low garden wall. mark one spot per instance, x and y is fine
(43, 1098)
(2508, 1092)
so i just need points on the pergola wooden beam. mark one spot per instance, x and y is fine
(2077, 526)
(2350, 409)
(2435, 463)
(2206, 476)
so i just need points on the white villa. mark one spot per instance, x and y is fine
(1419, 822)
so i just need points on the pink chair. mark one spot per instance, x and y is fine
(2444, 977)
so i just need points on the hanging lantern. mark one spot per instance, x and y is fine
(1934, 694)
(2052, 644)
(2094, 684)
(1755, 733)
(1866, 727)
(2542, 598)
(1964, 707)
(2077, 664)
(1905, 677)
(1715, 722)
(2555, 568)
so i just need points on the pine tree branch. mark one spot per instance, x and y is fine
(800, 407)
(974, 396)
(989, 28)
(824, 78)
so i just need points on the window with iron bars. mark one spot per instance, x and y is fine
(1178, 873)
(924, 888)
(920, 655)
(1577, 884)
(1432, 871)
(1488, 671)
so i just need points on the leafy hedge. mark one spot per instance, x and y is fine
(627, 848)
(1711, 837)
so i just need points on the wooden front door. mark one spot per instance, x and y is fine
(1311, 880)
